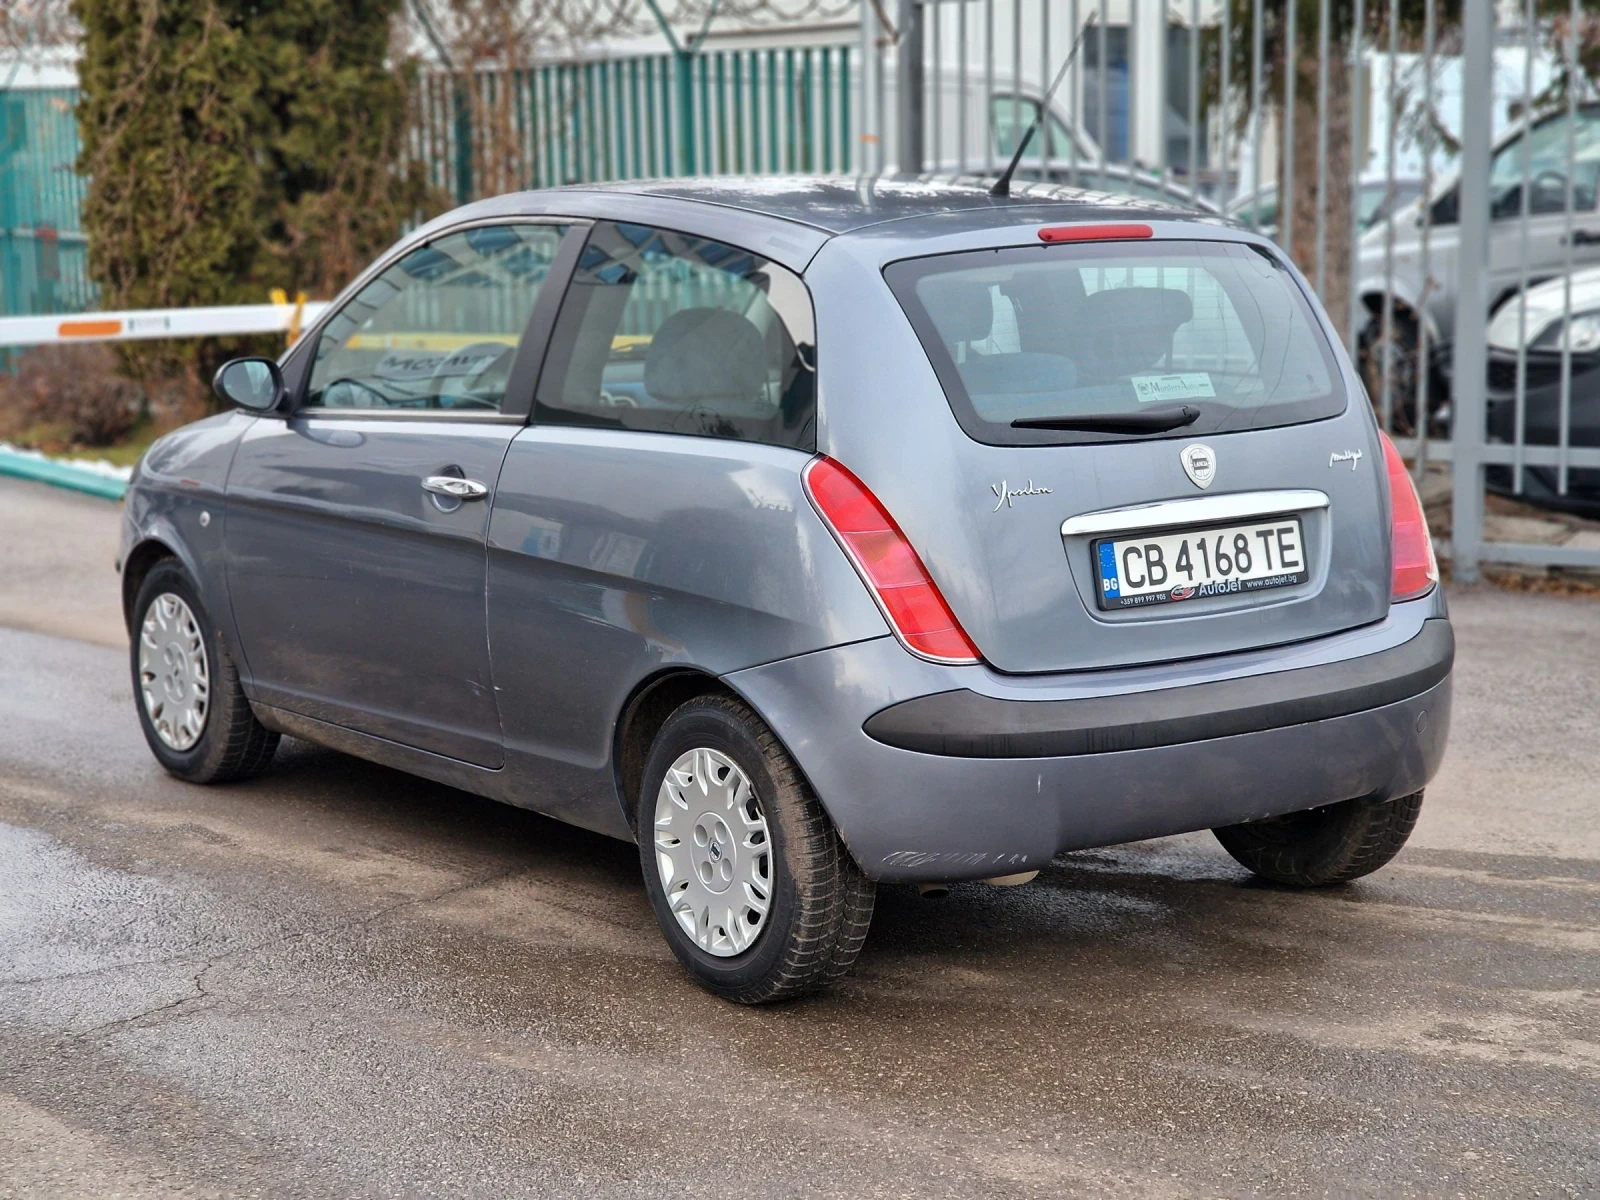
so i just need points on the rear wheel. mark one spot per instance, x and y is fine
(1332, 844)
(1402, 342)
(753, 889)
(192, 710)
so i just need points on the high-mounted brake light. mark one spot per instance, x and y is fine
(1094, 233)
(1416, 571)
(890, 566)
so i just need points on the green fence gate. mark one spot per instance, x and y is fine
(762, 111)
(43, 260)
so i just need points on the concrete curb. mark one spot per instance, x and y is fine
(61, 474)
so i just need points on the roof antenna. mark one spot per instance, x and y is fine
(1002, 186)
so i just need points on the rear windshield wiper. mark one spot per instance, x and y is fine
(1151, 420)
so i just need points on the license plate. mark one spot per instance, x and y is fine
(1165, 568)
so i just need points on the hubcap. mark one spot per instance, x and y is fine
(713, 852)
(174, 674)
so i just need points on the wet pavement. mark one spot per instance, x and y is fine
(340, 981)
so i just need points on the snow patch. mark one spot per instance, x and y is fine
(97, 466)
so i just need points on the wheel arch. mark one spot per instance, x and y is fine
(158, 539)
(649, 705)
(136, 568)
(1404, 305)
(642, 715)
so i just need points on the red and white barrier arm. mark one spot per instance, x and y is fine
(140, 325)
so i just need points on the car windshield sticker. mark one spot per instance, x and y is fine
(1152, 388)
(406, 366)
(470, 361)
(402, 366)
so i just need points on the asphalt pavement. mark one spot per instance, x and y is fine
(341, 981)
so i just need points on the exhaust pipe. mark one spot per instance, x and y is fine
(935, 891)
(1016, 880)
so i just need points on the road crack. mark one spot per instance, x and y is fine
(198, 989)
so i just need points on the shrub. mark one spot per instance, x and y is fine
(69, 395)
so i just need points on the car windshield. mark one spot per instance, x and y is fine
(1118, 328)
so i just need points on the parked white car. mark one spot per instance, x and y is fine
(1117, 179)
(993, 120)
(1375, 201)
(1544, 143)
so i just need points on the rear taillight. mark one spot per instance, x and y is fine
(915, 610)
(1416, 571)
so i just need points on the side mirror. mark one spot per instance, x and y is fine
(253, 384)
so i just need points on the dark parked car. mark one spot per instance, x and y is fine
(1547, 334)
(813, 535)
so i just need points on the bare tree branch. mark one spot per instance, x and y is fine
(514, 33)
(30, 27)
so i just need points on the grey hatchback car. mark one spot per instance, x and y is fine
(813, 535)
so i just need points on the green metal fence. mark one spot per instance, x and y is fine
(762, 111)
(766, 111)
(42, 251)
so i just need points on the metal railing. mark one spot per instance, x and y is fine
(1425, 175)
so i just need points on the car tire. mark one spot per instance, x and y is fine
(1405, 367)
(725, 820)
(1323, 846)
(186, 687)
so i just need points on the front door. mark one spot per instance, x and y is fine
(357, 527)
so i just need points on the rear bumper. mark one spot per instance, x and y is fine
(937, 773)
(968, 725)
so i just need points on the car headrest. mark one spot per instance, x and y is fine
(1154, 308)
(1127, 329)
(961, 308)
(702, 354)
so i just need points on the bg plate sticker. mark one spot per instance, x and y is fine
(1186, 386)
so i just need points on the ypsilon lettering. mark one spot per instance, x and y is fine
(1353, 457)
(1006, 494)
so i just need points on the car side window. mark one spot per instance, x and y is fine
(676, 333)
(439, 329)
(1545, 146)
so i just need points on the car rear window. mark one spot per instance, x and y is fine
(1118, 327)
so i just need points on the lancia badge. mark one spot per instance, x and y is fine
(1199, 464)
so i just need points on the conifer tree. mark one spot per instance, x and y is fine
(234, 146)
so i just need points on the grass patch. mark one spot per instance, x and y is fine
(125, 453)
(52, 439)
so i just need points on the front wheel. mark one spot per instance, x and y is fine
(193, 712)
(754, 891)
(1321, 846)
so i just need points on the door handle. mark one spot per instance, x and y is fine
(455, 487)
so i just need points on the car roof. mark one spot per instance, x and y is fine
(789, 219)
(840, 205)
